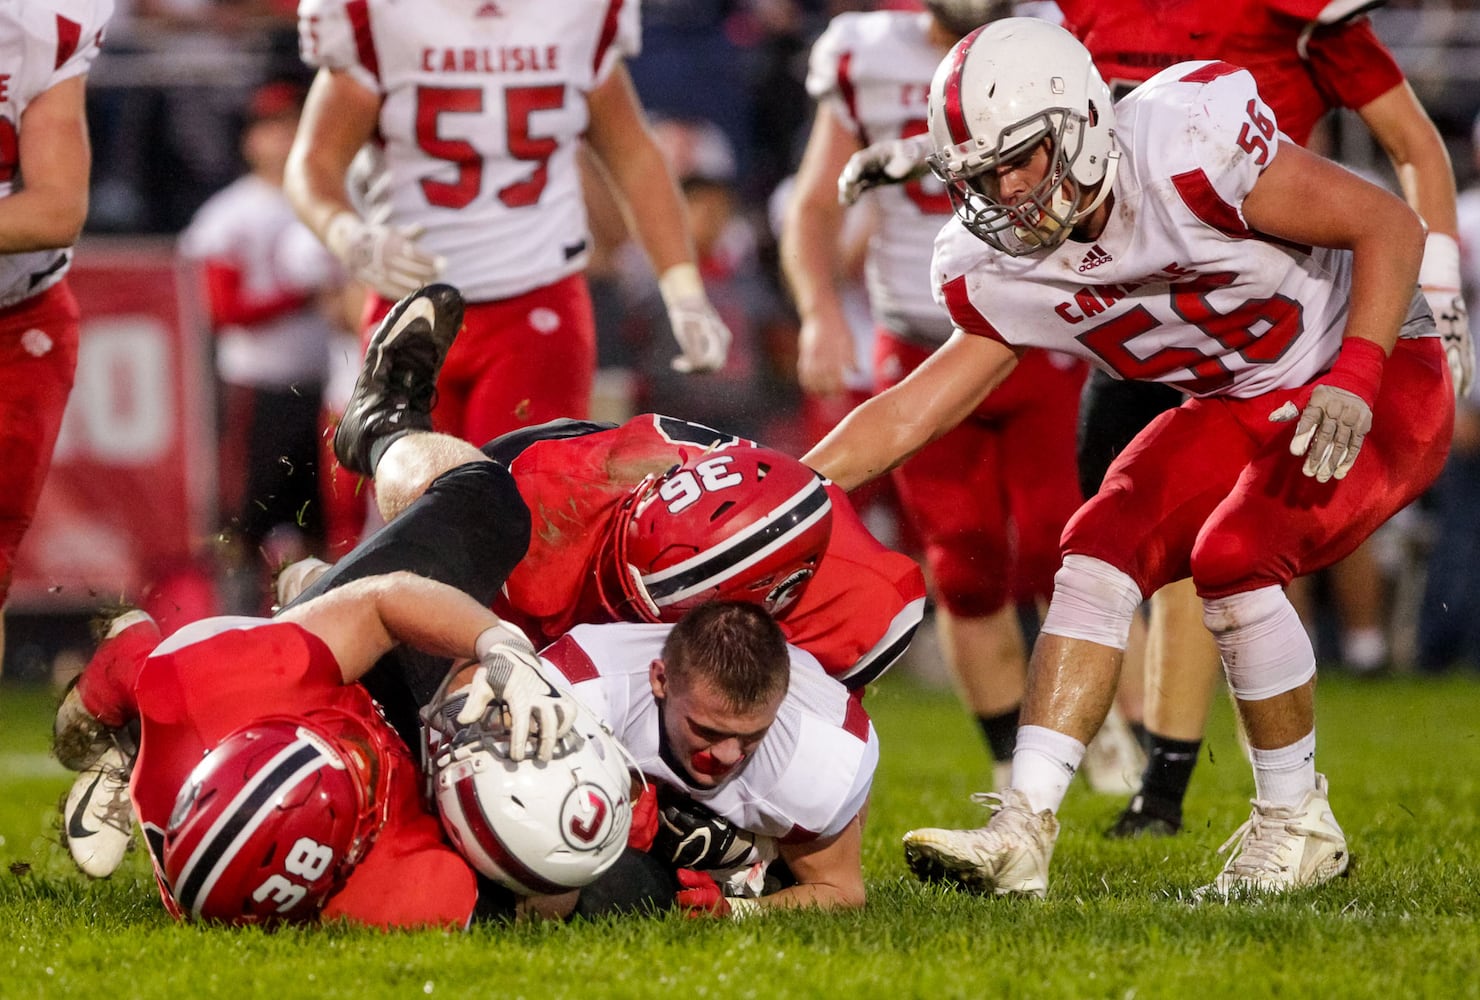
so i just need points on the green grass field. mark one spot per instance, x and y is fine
(1404, 761)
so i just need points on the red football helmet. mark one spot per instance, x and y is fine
(271, 822)
(739, 524)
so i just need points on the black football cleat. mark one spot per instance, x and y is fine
(1146, 818)
(397, 387)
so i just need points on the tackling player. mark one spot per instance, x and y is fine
(1272, 286)
(638, 522)
(472, 125)
(306, 804)
(45, 159)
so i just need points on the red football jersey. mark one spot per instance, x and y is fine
(856, 615)
(220, 674)
(1343, 65)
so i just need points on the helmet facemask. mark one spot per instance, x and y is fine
(1043, 217)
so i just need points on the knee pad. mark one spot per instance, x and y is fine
(1092, 600)
(1264, 647)
(970, 574)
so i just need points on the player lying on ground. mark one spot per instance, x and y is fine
(266, 781)
(755, 755)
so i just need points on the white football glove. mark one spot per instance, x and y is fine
(892, 161)
(1453, 321)
(384, 257)
(1330, 431)
(1439, 279)
(509, 674)
(701, 334)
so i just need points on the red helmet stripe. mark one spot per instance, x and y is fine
(951, 96)
(487, 840)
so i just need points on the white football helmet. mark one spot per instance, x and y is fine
(1000, 92)
(536, 827)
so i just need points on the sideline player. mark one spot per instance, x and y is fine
(45, 159)
(1307, 57)
(262, 273)
(992, 495)
(473, 124)
(1227, 291)
(274, 704)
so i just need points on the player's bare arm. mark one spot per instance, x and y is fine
(1307, 199)
(1421, 161)
(1401, 126)
(629, 155)
(338, 118)
(365, 619)
(624, 145)
(895, 424)
(48, 210)
(829, 872)
(809, 256)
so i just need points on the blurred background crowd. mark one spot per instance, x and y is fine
(192, 97)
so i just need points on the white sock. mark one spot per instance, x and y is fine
(1364, 649)
(1283, 776)
(1043, 764)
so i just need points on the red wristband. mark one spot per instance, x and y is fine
(1358, 369)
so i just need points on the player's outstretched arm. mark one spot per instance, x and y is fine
(363, 620)
(898, 422)
(47, 212)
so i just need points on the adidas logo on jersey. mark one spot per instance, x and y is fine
(1094, 259)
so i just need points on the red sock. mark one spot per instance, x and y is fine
(106, 685)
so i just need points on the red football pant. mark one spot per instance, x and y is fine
(992, 495)
(1210, 489)
(38, 359)
(516, 362)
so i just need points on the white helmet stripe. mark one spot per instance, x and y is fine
(757, 542)
(241, 818)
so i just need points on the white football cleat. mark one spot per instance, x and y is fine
(1282, 848)
(1114, 759)
(98, 816)
(1007, 857)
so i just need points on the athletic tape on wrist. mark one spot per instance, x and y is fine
(1440, 268)
(1358, 369)
(681, 281)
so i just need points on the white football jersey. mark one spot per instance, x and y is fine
(42, 43)
(483, 108)
(811, 773)
(874, 70)
(1176, 289)
(250, 226)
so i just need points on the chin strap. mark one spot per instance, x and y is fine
(1112, 167)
